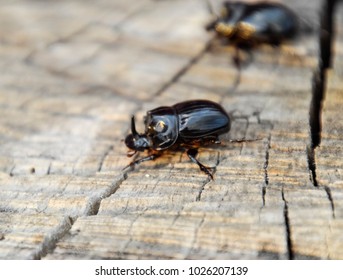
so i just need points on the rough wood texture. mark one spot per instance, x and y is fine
(72, 74)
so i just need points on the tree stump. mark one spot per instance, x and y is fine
(73, 73)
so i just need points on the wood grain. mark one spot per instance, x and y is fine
(72, 76)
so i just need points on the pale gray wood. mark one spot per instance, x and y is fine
(71, 77)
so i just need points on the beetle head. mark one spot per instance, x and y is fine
(136, 141)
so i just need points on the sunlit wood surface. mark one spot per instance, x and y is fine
(73, 73)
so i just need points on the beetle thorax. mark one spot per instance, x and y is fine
(162, 128)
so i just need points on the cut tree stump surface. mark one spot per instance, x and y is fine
(73, 73)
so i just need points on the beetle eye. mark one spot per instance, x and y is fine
(160, 126)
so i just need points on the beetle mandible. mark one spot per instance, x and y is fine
(184, 126)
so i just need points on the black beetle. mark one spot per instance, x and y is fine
(246, 25)
(184, 126)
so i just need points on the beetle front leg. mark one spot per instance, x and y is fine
(238, 64)
(239, 61)
(192, 154)
(138, 161)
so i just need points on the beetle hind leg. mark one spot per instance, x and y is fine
(192, 154)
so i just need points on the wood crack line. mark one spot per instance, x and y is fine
(195, 236)
(50, 243)
(184, 69)
(320, 73)
(94, 206)
(265, 168)
(208, 180)
(287, 227)
(109, 149)
(319, 83)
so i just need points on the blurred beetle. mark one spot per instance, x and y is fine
(246, 25)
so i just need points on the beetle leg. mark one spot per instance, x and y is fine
(243, 140)
(240, 62)
(192, 154)
(237, 61)
(147, 158)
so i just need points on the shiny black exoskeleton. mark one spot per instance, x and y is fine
(186, 126)
(247, 24)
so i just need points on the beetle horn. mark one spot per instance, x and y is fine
(133, 127)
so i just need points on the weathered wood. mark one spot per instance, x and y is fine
(69, 83)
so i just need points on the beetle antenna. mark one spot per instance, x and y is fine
(133, 127)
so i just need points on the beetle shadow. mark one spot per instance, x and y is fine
(167, 157)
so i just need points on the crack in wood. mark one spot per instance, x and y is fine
(329, 195)
(313, 177)
(50, 241)
(265, 168)
(290, 252)
(318, 91)
(327, 241)
(101, 162)
(208, 180)
(198, 197)
(123, 252)
(195, 236)
(318, 85)
(49, 169)
(183, 70)
(327, 33)
(319, 81)
(266, 163)
(312, 165)
(11, 171)
(94, 206)
(176, 217)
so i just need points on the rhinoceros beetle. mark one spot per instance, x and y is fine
(184, 126)
(245, 25)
